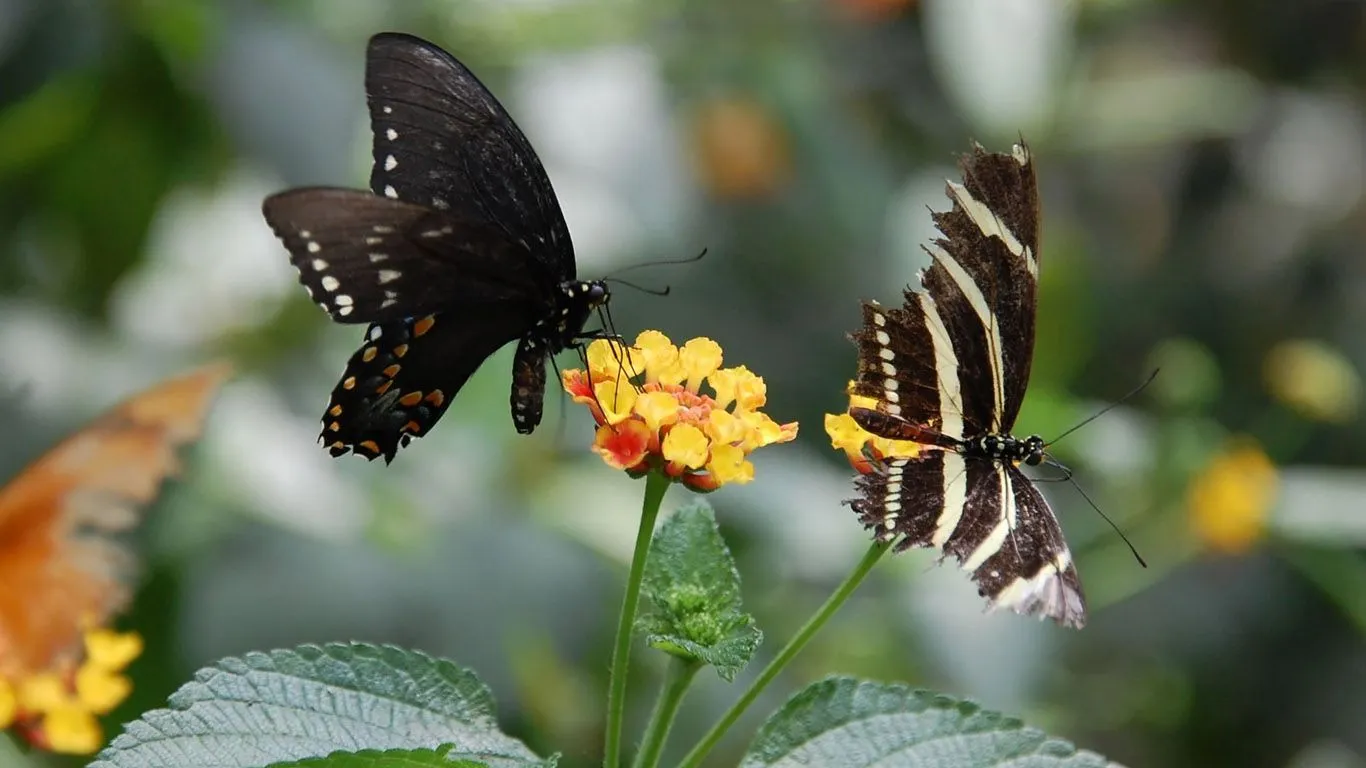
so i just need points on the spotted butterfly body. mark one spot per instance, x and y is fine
(948, 370)
(459, 249)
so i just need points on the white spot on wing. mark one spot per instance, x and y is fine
(388, 275)
(390, 163)
(390, 192)
(330, 283)
(319, 265)
(391, 134)
(313, 246)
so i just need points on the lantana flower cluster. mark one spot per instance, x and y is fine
(859, 445)
(57, 709)
(675, 409)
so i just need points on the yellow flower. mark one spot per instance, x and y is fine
(1314, 379)
(1230, 499)
(56, 709)
(655, 416)
(71, 729)
(110, 650)
(858, 443)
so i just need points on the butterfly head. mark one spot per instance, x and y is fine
(577, 300)
(1032, 448)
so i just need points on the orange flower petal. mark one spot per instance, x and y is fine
(623, 446)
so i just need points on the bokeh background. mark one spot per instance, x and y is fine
(1202, 166)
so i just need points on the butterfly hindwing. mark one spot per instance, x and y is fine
(989, 517)
(443, 141)
(402, 379)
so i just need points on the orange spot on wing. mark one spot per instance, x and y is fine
(349, 382)
(381, 389)
(436, 398)
(61, 567)
(392, 370)
(400, 350)
(413, 427)
(335, 410)
(411, 399)
(423, 325)
(369, 445)
(369, 354)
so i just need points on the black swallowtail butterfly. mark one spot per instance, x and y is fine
(948, 370)
(460, 249)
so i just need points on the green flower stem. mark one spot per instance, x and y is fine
(656, 483)
(789, 651)
(680, 676)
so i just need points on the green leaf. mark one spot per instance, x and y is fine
(394, 758)
(843, 722)
(694, 587)
(311, 701)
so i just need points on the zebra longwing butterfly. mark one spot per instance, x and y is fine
(948, 370)
(460, 249)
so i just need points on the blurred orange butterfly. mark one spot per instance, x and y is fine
(63, 572)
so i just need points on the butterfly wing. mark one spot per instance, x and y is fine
(984, 277)
(908, 364)
(402, 379)
(443, 141)
(369, 259)
(987, 515)
(60, 563)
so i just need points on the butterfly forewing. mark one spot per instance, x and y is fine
(984, 275)
(442, 140)
(63, 564)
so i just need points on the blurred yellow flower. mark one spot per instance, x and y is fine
(1314, 379)
(57, 709)
(858, 444)
(1230, 499)
(651, 410)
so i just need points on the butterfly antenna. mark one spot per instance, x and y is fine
(1107, 408)
(1067, 475)
(652, 291)
(662, 263)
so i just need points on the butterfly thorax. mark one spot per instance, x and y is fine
(576, 300)
(1029, 451)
